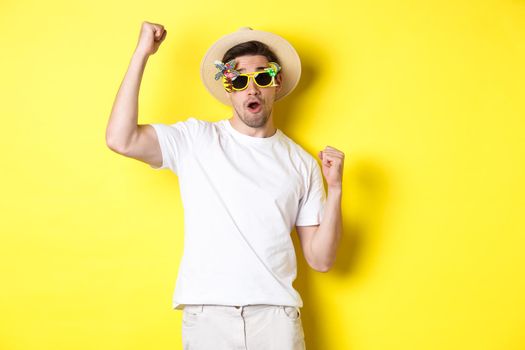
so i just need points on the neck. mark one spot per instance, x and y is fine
(266, 130)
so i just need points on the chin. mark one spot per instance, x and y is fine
(255, 121)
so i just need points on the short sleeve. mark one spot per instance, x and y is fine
(175, 142)
(311, 205)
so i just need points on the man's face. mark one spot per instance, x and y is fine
(253, 105)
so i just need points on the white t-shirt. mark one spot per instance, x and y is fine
(241, 195)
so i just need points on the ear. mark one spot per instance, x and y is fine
(228, 95)
(279, 81)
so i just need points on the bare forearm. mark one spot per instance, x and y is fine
(124, 114)
(326, 239)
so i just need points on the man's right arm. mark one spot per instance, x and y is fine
(123, 134)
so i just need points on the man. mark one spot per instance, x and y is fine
(244, 185)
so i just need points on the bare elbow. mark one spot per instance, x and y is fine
(321, 268)
(110, 143)
(113, 146)
(324, 269)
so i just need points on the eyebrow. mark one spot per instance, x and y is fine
(258, 68)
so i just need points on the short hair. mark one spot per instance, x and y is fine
(252, 47)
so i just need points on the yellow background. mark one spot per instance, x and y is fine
(426, 99)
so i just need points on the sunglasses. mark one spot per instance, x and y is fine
(261, 79)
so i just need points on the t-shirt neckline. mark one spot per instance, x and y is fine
(248, 138)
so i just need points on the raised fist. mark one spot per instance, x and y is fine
(151, 36)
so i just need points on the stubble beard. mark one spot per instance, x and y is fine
(254, 120)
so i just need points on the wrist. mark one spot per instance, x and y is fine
(140, 55)
(335, 189)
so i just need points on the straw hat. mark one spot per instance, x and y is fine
(285, 52)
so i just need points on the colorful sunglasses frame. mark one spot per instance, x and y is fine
(229, 73)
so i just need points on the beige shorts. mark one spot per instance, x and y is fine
(249, 327)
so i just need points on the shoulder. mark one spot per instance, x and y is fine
(192, 122)
(191, 125)
(295, 148)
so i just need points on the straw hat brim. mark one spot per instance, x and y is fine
(288, 58)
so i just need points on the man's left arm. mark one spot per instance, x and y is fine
(320, 242)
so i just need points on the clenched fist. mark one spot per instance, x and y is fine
(151, 36)
(332, 166)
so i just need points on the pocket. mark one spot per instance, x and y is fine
(292, 312)
(191, 315)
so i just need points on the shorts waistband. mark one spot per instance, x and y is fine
(235, 309)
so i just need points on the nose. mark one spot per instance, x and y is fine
(252, 88)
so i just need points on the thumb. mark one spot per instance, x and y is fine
(320, 155)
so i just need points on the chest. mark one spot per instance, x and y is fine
(254, 177)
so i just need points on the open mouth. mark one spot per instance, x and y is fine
(254, 107)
